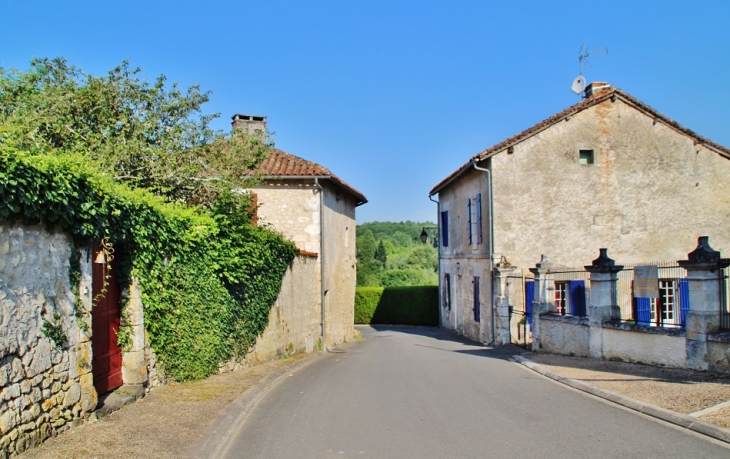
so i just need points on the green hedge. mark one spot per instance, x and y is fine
(397, 305)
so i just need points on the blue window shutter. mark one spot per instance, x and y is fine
(468, 218)
(643, 311)
(683, 299)
(577, 298)
(445, 228)
(477, 304)
(479, 218)
(529, 298)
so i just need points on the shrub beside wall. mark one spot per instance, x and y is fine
(397, 305)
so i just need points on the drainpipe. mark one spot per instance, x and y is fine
(438, 248)
(490, 212)
(321, 260)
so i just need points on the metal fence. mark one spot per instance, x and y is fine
(668, 310)
(519, 309)
(725, 297)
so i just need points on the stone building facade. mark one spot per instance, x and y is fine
(313, 207)
(607, 172)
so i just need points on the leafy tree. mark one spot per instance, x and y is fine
(148, 135)
(380, 254)
(398, 259)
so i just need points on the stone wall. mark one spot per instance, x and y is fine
(339, 262)
(294, 320)
(564, 335)
(654, 346)
(45, 387)
(649, 193)
(464, 261)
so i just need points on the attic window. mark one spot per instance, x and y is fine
(586, 157)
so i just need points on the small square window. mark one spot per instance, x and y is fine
(586, 157)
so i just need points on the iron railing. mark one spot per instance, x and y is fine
(669, 310)
(725, 298)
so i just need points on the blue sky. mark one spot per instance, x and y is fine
(392, 96)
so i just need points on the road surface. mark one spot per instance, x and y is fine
(426, 393)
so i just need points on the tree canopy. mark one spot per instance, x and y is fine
(391, 254)
(147, 135)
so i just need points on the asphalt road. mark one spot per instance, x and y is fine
(425, 393)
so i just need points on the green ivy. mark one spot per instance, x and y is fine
(212, 298)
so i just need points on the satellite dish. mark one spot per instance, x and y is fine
(579, 84)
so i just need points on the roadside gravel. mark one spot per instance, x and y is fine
(164, 424)
(679, 390)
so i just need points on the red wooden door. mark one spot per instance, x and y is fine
(107, 363)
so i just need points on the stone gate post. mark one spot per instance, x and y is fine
(704, 269)
(603, 299)
(501, 304)
(544, 297)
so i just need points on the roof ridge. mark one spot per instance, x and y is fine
(611, 93)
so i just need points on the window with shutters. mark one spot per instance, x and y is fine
(445, 228)
(477, 304)
(446, 291)
(468, 220)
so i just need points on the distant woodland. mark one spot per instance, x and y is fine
(391, 254)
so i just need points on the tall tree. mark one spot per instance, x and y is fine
(149, 135)
(380, 254)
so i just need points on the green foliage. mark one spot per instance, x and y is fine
(397, 305)
(54, 330)
(147, 135)
(208, 303)
(391, 254)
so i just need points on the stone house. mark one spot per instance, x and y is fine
(313, 207)
(609, 171)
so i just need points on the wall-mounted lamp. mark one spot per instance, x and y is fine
(424, 234)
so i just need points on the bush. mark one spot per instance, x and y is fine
(397, 305)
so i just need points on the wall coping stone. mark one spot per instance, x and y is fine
(645, 329)
(566, 319)
(723, 337)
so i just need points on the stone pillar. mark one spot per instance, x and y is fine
(544, 297)
(501, 304)
(704, 269)
(604, 300)
(134, 364)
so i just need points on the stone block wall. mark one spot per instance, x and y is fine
(295, 319)
(45, 387)
(564, 335)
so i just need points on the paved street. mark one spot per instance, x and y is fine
(424, 393)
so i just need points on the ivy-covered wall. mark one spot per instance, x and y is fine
(208, 280)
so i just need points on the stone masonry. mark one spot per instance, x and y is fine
(45, 387)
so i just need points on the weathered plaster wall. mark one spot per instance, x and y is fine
(464, 261)
(564, 335)
(294, 320)
(651, 348)
(45, 388)
(649, 195)
(291, 207)
(339, 256)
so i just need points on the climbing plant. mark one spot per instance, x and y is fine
(208, 278)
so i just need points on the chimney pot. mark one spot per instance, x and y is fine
(250, 124)
(597, 87)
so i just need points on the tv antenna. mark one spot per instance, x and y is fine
(584, 54)
(579, 84)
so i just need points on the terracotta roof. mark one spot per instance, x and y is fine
(603, 95)
(280, 164)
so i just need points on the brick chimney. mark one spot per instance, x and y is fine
(250, 124)
(596, 88)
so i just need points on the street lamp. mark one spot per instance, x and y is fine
(424, 234)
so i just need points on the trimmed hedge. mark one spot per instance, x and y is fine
(397, 305)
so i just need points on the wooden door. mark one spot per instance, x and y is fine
(105, 319)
